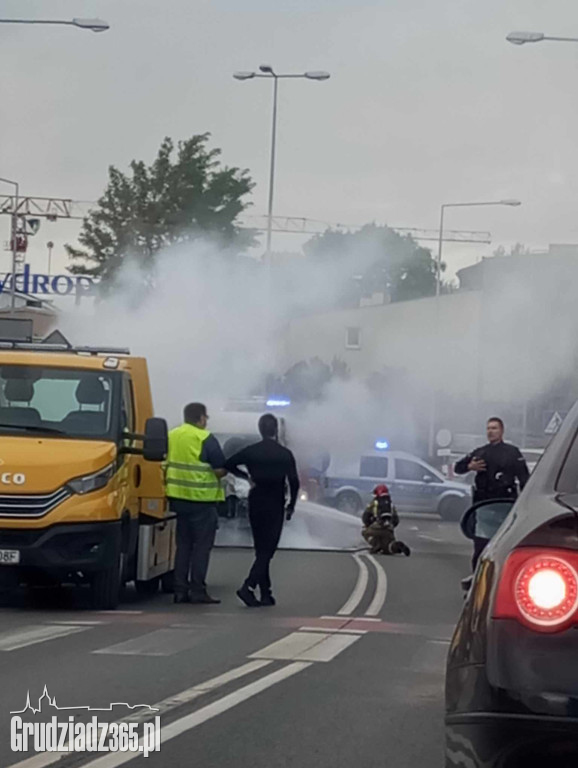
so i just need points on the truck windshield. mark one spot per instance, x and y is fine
(55, 401)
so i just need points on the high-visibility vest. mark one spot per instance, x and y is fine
(186, 476)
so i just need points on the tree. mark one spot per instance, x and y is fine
(516, 250)
(375, 259)
(306, 380)
(184, 195)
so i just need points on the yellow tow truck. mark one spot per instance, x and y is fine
(81, 483)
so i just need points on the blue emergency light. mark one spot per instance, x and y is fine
(381, 445)
(278, 403)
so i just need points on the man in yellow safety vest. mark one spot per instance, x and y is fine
(193, 472)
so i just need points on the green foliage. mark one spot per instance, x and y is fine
(375, 259)
(307, 380)
(519, 249)
(183, 195)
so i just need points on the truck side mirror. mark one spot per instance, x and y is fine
(156, 440)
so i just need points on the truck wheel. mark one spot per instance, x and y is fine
(348, 502)
(168, 583)
(452, 509)
(148, 588)
(106, 586)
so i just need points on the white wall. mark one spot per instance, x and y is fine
(440, 349)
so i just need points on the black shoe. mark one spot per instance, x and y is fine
(406, 550)
(267, 600)
(181, 598)
(248, 597)
(205, 599)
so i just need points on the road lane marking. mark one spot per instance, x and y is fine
(329, 648)
(307, 646)
(190, 694)
(78, 623)
(430, 538)
(166, 705)
(161, 642)
(188, 722)
(334, 631)
(358, 590)
(357, 618)
(380, 589)
(12, 640)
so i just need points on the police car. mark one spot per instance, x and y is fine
(415, 486)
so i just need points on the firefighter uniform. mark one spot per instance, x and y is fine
(379, 519)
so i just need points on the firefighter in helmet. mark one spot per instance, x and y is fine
(380, 519)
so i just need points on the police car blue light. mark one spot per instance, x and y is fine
(381, 445)
(274, 403)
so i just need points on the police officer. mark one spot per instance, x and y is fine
(270, 467)
(193, 470)
(499, 467)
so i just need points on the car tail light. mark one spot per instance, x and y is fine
(539, 588)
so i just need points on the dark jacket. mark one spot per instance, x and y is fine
(271, 467)
(505, 468)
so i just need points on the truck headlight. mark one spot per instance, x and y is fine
(94, 482)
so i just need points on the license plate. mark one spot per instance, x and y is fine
(9, 556)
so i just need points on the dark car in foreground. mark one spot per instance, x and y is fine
(512, 670)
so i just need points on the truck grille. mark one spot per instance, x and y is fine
(38, 505)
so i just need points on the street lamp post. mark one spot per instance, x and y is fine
(266, 70)
(94, 25)
(13, 241)
(521, 38)
(433, 405)
(441, 232)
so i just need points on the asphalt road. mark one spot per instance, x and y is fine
(346, 670)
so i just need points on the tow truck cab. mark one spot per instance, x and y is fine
(81, 483)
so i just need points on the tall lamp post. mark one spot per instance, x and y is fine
(266, 70)
(433, 405)
(94, 25)
(441, 233)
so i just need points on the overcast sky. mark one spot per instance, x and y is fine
(427, 104)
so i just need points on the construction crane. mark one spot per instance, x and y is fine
(53, 208)
(303, 226)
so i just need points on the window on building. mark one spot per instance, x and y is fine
(353, 338)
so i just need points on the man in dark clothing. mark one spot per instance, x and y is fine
(498, 466)
(270, 466)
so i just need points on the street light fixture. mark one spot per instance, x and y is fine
(506, 201)
(521, 38)
(509, 202)
(266, 70)
(94, 25)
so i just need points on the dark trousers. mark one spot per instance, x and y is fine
(266, 525)
(197, 524)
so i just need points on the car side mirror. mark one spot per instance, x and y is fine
(485, 518)
(156, 440)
